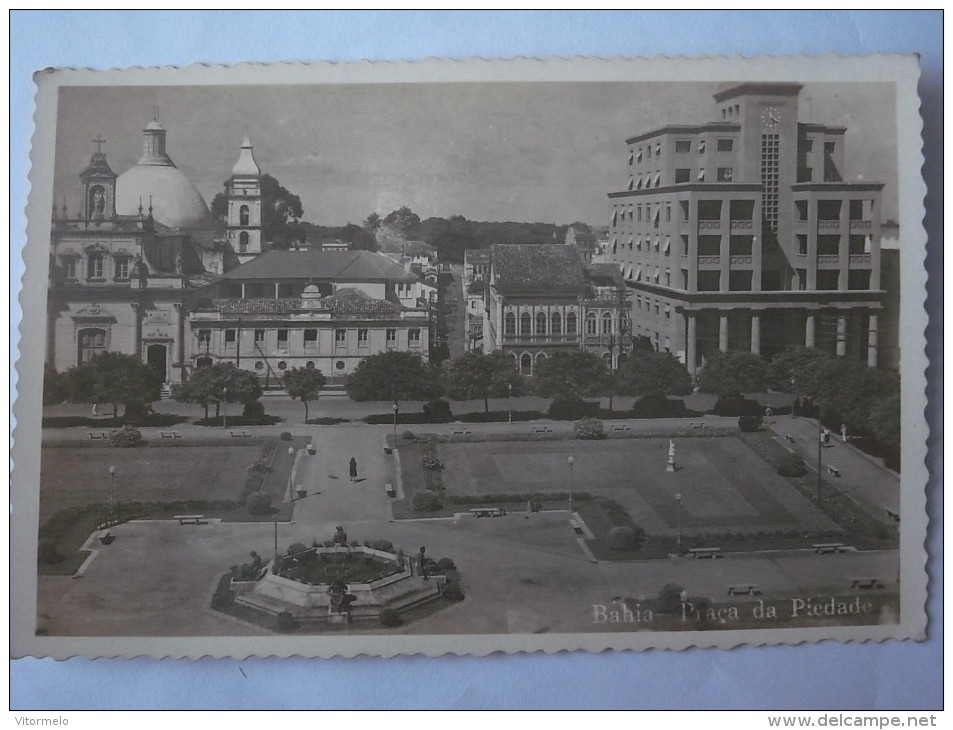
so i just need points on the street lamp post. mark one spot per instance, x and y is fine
(820, 445)
(112, 484)
(224, 404)
(509, 408)
(678, 521)
(395, 424)
(571, 462)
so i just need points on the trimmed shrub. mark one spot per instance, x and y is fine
(259, 466)
(572, 409)
(589, 428)
(670, 598)
(445, 564)
(429, 461)
(736, 405)
(384, 545)
(258, 503)
(659, 406)
(295, 548)
(389, 617)
(408, 435)
(254, 411)
(791, 465)
(623, 538)
(750, 423)
(125, 437)
(47, 551)
(285, 436)
(286, 621)
(438, 410)
(426, 501)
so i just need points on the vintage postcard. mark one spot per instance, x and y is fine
(469, 357)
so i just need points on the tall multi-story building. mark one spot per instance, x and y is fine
(743, 234)
(541, 299)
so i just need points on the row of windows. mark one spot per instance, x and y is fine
(96, 266)
(555, 321)
(648, 304)
(682, 146)
(310, 336)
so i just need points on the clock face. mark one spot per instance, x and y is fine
(771, 116)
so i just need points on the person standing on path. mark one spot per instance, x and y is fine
(352, 467)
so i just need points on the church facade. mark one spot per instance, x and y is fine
(143, 269)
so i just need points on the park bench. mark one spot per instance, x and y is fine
(789, 438)
(389, 490)
(705, 552)
(239, 434)
(459, 431)
(891, 515)
(488, 511)
(866, 584)
(744, 589)
(698, 424)
(620, 427)
(191, 519)
(833, 470)
(98, 435)
(542, 429)
(169, 434)
(824, 548)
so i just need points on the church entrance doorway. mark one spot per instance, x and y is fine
(156, 357)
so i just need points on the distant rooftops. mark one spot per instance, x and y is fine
(321, 265)
(540, 268)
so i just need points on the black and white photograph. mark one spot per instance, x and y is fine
(472, 358)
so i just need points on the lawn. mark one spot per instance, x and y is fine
(154, 481)
(723, 489)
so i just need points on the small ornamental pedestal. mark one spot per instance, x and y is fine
(337, 617)
(670, 466)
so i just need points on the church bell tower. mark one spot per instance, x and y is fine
(244, 205)
(99, 187)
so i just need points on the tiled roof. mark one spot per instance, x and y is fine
(351, 302)
(321, 266)
(257, 306)
(540, 268)
(477, 256)
(477, 287)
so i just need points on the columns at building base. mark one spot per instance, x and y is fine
(810, 331)
(723, 332)
(691, 344)
(755, 333)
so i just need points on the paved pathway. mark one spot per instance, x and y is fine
(861, 476)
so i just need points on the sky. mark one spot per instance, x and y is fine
(504, 151)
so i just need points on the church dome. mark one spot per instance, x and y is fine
(176, 202)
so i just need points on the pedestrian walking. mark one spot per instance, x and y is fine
(826, 438)
(352, 467)
(843, 432)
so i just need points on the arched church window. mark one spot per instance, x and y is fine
(243, 215)
(526, 364)
(509, 324)
(606, 323)
(571, 323)
(526, 324)
(540, 323)
(556, 323)
(243, 242)
(591, 323)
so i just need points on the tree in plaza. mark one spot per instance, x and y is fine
(280, 211)
(483, 375)
(573, 375)
(727, 373)
(850, 388)
(218, 383)
(114, 378)
(305, 384)
(798, 370)
(650, 373)
(393, 376)
(883, 419)
(55, 386)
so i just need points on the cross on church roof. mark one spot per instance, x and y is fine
(99, 142)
